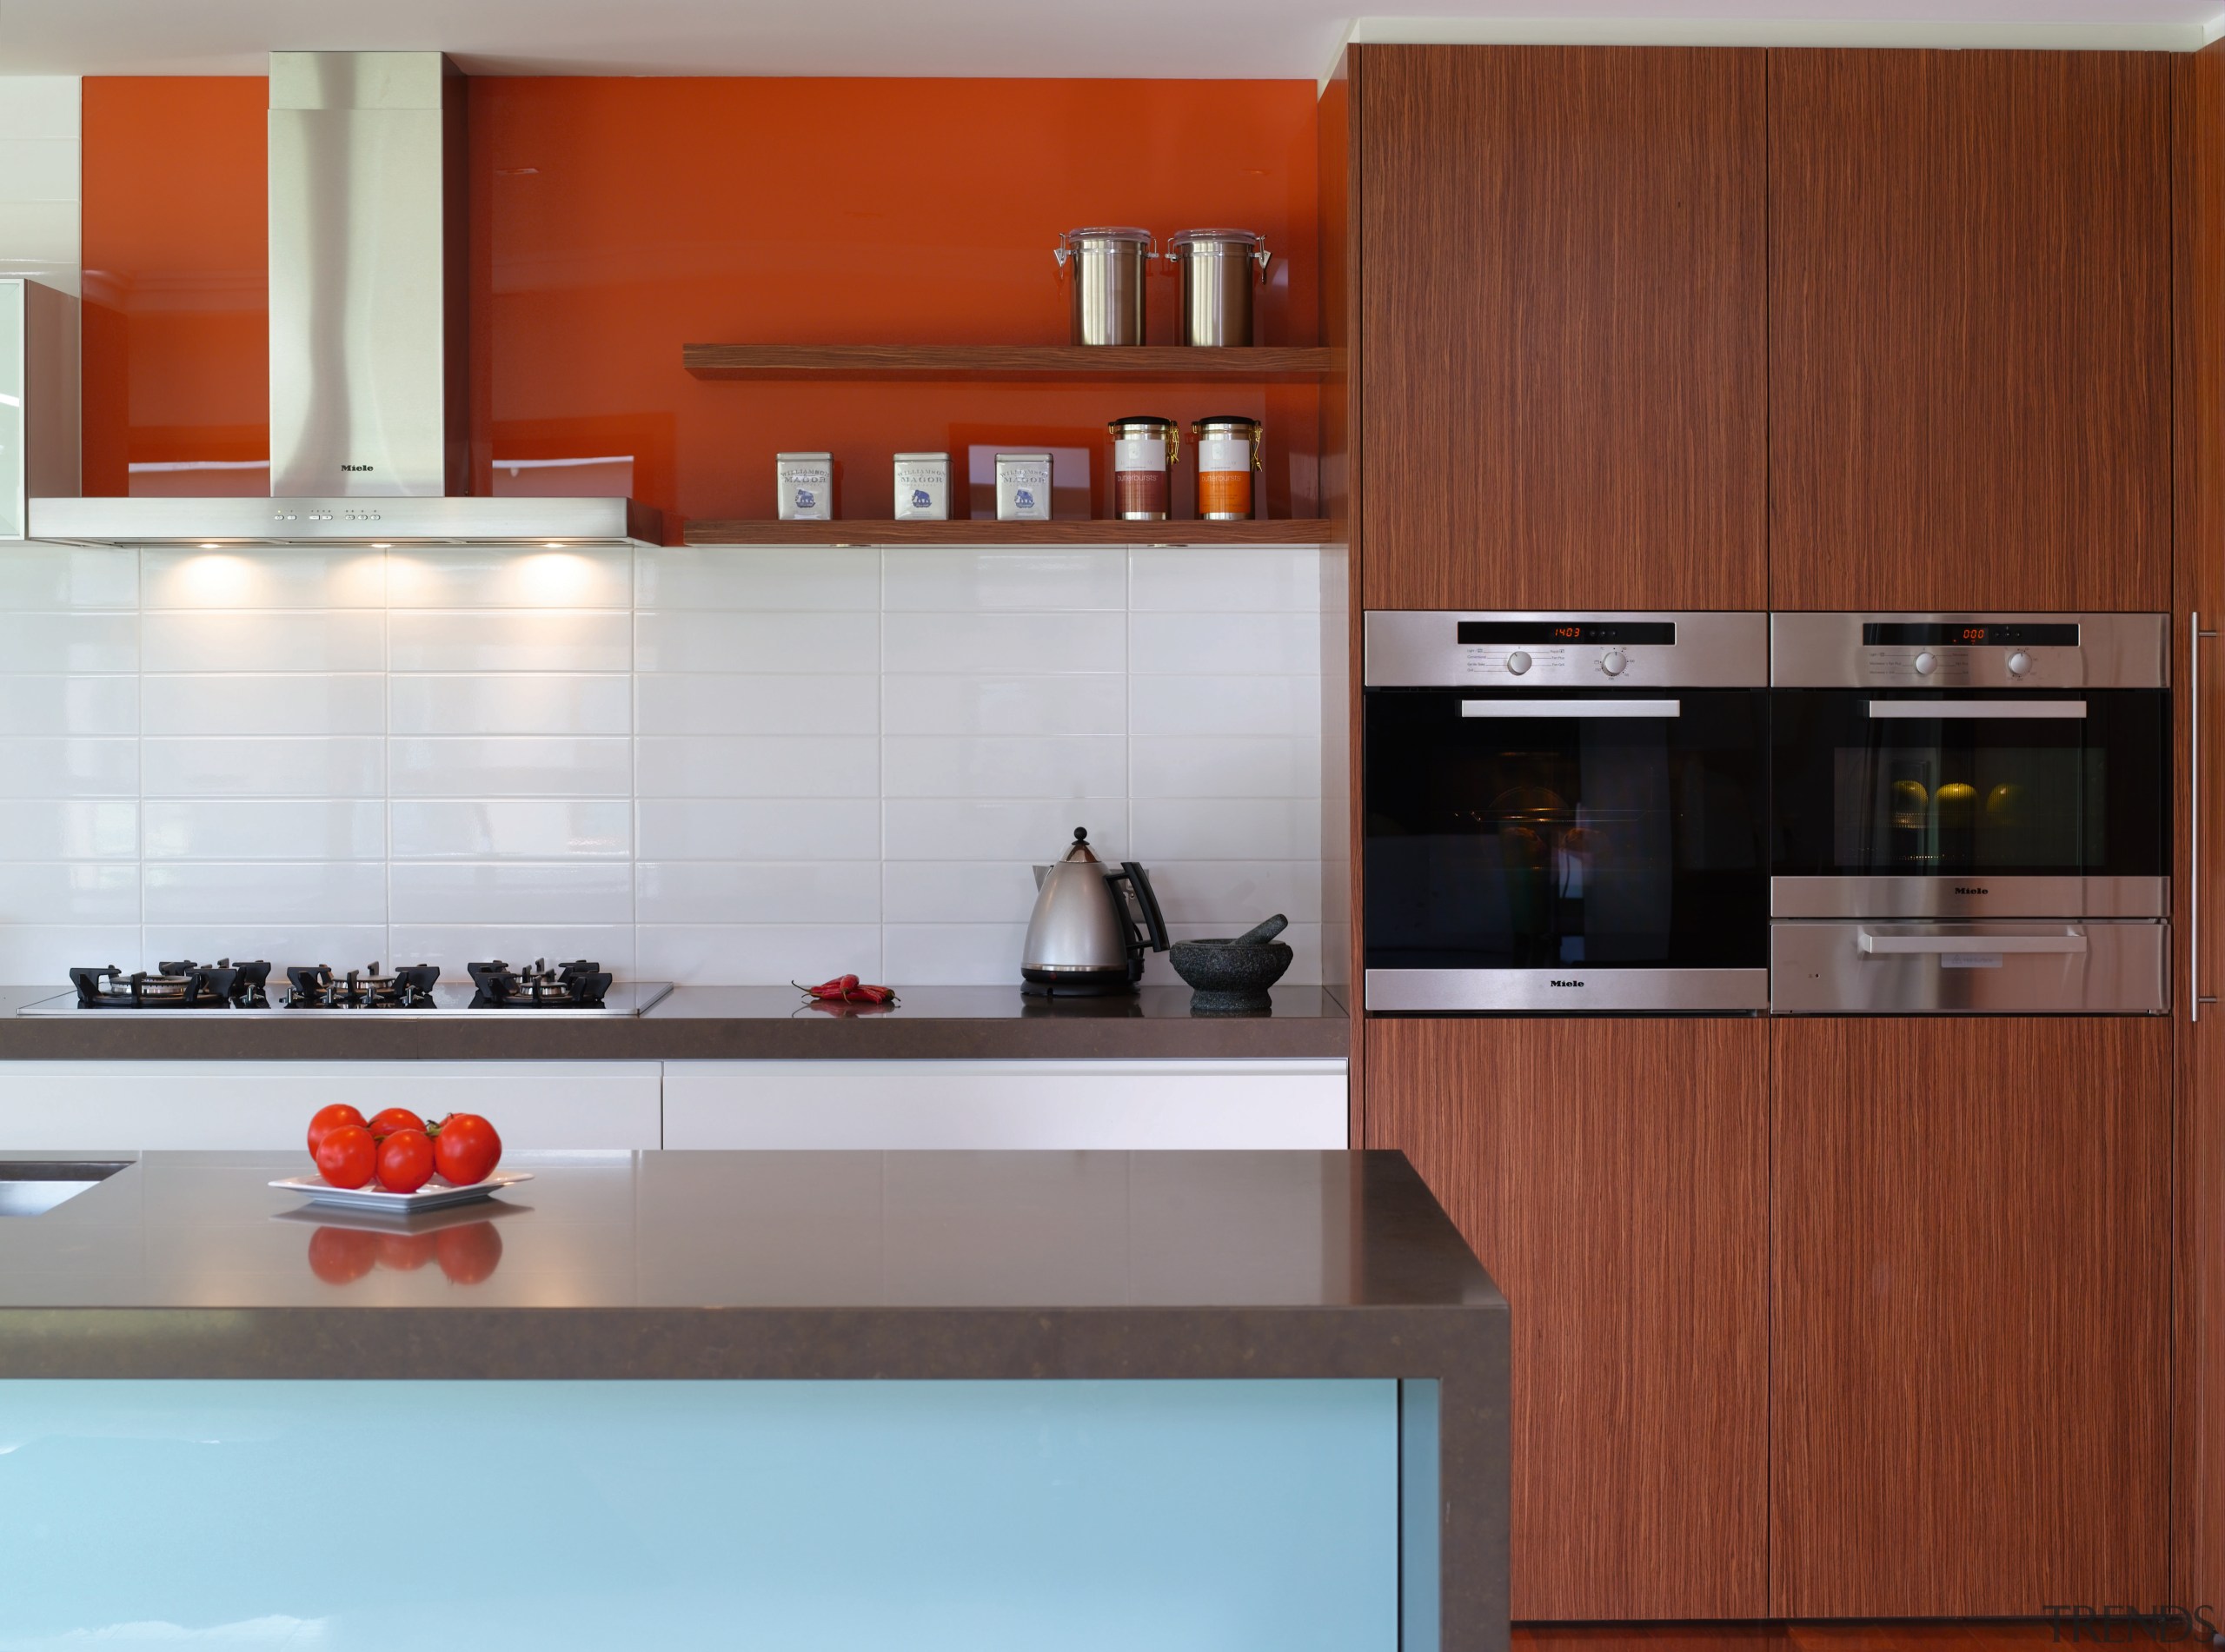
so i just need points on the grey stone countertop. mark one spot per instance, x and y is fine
(807, 1266)
(709, 1024)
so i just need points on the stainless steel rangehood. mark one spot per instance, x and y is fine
(370, 344)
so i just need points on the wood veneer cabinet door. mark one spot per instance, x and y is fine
(1969, 342)
(1968, 1303)
(1560, 294)
(1611, 1174)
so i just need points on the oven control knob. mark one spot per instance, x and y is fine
(1517, 663)
(1926, 664)
(2019, 663)
(1613, 663)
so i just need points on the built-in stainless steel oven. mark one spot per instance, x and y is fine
(1565, 812)
(1970, 812)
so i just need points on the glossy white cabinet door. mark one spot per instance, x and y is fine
(1127, 1106)
(101, 1107)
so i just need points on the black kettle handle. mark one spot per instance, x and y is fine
(1154, 934)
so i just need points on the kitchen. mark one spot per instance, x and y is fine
(1805, 671)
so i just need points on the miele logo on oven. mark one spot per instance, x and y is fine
(1553, 983)
(1965, 889)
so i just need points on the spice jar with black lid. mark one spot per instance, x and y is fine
(1144, 450)
(1228, 452)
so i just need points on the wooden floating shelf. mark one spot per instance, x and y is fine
(1286, 531)
(1164, 361)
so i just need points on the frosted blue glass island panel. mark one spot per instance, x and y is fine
(1182, 1516)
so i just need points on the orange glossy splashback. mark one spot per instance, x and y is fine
(614, 220)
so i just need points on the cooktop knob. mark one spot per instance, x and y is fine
(2019, 663)
(1926, 663)
(1517, 663)
(1613, 663)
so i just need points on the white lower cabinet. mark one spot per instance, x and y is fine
(1128, 1105)
(101, 1107)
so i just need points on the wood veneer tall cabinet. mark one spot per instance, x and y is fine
(1556, 288)
(1969, 1314)
(1969, 382)
(1612, 1175)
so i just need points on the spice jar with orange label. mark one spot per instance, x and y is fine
(1228, 452)
(1144, 451)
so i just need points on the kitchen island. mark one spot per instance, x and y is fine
(842, 1399)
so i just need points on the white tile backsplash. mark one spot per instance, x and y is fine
(977, 581)
(761, 581)
(237, 766)
(1092, 704)
(511, 765)
(555, 703)
(36, 577)
(707, 767)
(230, 640)
(264, 828)
(69, 706)
(266, 578)
(263, 703)
(37, 766)
(1028, 643)
(265, 892)
(553, 640)
(1000, 766)
(509, 828)
(719, 640)
(758, 828)
(687, 703)
(555, 892)
(70, 829)
(72, 641)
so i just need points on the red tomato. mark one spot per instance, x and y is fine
(384, 1123)
(330, 1118)
(346, 1156)
(467, 1148)
(405, 1252)
(341, 1256)
(405, 1161)
(470, 1252)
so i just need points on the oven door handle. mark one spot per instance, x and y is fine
(1571, 708)
(1905, 945)
(1938, 709)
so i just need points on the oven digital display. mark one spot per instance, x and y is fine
(1552, 631)
(1929, 634)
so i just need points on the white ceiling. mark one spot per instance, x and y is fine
(1144, 38)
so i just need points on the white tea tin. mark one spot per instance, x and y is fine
(1022, 487)
(922, 487)
(806, 487)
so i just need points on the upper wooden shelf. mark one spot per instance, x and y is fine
(1285, 531)
(1168, 362)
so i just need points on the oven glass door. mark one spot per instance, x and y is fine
(1546, 830)
(1971, 786)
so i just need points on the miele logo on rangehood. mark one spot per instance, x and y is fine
(359, 467)
(1553, 983)
(1965, 889)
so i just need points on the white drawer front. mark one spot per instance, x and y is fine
(1065, 1106)
(234, 1105)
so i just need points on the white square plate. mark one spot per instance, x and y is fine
(435, 1195)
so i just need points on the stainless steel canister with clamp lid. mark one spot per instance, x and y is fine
(1219, 269)
(1109, 264)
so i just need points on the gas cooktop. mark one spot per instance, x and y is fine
(184, 987)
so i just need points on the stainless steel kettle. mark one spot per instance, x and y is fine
(1083, 938)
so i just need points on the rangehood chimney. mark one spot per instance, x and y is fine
(369, 337)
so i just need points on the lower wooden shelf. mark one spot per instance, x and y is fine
(1286, 531)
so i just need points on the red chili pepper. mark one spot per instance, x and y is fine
(847, 989)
